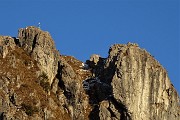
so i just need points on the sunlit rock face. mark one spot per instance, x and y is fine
(41, 47)
(7, 44)
(141, 84)
(37, 83)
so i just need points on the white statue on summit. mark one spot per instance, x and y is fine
(39, 25)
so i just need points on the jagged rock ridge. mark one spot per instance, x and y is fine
(36, 82)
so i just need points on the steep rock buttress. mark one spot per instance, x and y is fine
(41, 47)
(141, 84)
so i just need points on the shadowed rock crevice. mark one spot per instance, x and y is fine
(101, 89)
(1, 116)
(94, 114)
(34, 42)
(16, 40)
(59, 76)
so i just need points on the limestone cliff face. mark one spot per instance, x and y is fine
(36, 83)
(141, 84)
(40, 46)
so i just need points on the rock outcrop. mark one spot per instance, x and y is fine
(41, 47)
(7, 44)
(37, 83)
(141, 84)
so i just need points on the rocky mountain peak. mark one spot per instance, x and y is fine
(32, 36)
(41, 47)
(136, 76)
(37, 83)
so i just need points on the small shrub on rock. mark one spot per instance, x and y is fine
(43, 82)
(29, 110)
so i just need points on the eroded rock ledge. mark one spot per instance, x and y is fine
(36, 82)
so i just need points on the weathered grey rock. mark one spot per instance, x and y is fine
(141, 84)
(7, 44)
(54, 86)
(104, 113)
(72, 90)
(40, 46)
(95, 58)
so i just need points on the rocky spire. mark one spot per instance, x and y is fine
(41, 47)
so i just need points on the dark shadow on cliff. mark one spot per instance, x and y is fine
(1, 116)
(104, 91)
(94, 115)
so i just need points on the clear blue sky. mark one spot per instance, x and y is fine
(83, 27)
